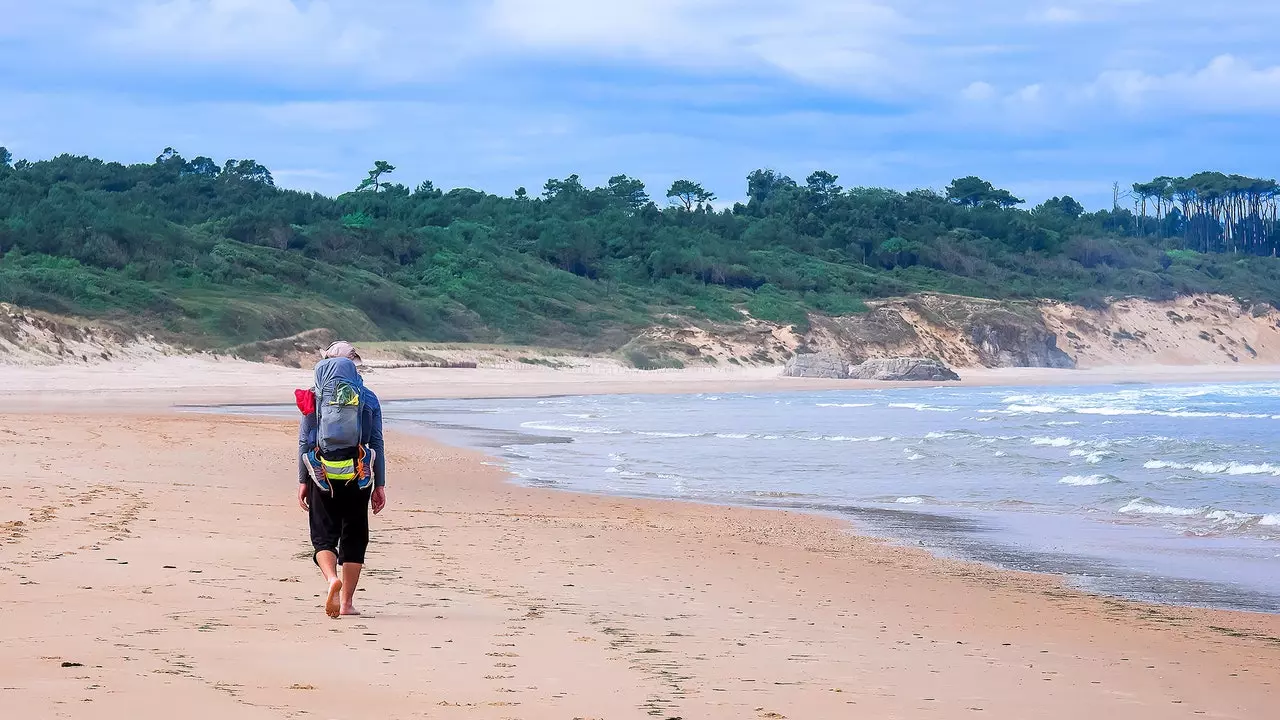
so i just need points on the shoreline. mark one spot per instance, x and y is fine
(481, 590)
(1093, 575)
(905, 526)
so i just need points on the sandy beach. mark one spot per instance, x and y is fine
(156, 565)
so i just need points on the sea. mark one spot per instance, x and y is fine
(1164, 493)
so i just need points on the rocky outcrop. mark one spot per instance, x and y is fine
(957, 331)
(903, 369)
(1006, 339)
(817, 365)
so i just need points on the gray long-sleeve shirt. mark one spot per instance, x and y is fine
(370, 434)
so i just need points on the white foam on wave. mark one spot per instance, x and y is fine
(1230, 517)
(921, 407)
(1001, 453)
(1089, 480)
(848, 438)
(667, 434)
(1033, 410)
(1200, 414)
(1053, 442)
(915, 456)
(550, 427)
(845, 405)
(1093, 457)
(1216, 468)
(733, 436)
(1270, 520)
(910, 500)
(1143, 506)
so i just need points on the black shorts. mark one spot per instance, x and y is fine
(340, 522)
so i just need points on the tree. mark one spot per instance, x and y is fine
(567, 188)
(169, 155)
(973, 191)
(822, 187)
(1065, 206)
(521, 193)
(374, 181)
(6, 157)
(628, 190)
(688, 194)
(203, 167)
(764, 184)
(247, 171)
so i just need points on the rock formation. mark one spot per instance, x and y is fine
(903, 369)
(817, 365)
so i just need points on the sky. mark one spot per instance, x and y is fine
(1041, 98)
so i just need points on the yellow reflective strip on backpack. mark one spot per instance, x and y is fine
(339, 469)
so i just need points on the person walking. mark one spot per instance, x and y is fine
(341, 471)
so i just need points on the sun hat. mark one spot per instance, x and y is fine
(343, 349)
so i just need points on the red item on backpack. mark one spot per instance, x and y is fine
(306, 401)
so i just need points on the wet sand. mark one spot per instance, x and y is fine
(156, 565)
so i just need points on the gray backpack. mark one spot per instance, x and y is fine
(338, 408)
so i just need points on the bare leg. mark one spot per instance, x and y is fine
(350, 578)
(328, 563)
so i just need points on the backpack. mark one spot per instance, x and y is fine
(338, 409)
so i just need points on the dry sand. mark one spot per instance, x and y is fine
(204, 380)
(156, 566)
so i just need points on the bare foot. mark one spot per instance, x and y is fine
(350, 610)
(332, 603)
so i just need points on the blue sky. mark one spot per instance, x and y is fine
(1044, 98)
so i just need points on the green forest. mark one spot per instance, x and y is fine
(216, 254)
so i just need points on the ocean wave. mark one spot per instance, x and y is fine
(1089, 480)
(848, 438)
(915, 456)
(845, 405)
(549, 427)
(921, 407)
(1032, 410)
(668, 434)
(1222, 517)
(910, 500)
(1216, 468)
(1053, 442)
(1093, 457)
(1145, 506)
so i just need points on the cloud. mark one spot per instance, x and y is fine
(1057, 14)
(392, 41)
(978, 92)
(1226, 85)
(841, 43)
(499, 93)
(243, 31)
